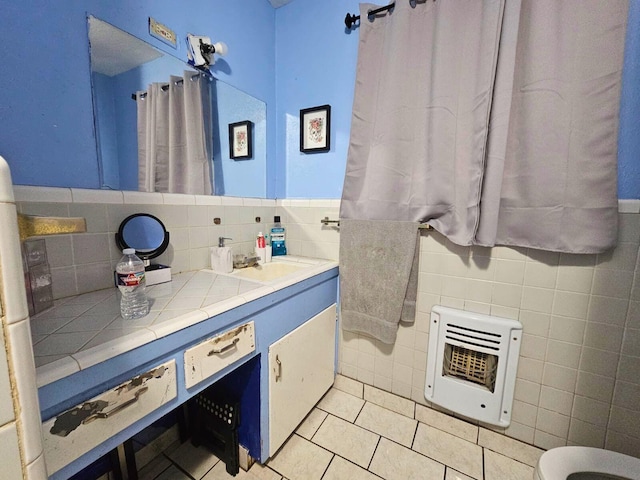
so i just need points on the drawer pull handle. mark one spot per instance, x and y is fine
(279, 372)
(118, 408)
(228, 346)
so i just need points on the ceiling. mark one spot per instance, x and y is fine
(114, 51)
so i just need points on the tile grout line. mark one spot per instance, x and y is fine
(327, 467)
(374, 452)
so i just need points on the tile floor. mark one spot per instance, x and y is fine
(360, 432)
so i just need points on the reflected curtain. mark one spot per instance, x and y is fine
(174, 136)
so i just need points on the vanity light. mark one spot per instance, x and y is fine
(200, 50)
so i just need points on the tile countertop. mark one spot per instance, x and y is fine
(81, 331)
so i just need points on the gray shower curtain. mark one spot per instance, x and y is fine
(174, 136)
(424, 86)
(494, 121)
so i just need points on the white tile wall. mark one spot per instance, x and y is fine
(84, 262)
(20, 436)
(577, 375)
(577, 379)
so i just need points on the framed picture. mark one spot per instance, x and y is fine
(240, 140)
(315, 129)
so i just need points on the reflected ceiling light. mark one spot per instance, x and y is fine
(200, 50)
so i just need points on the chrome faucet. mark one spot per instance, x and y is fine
(222, 239)
(243, 261)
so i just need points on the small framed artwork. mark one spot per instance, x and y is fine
(315, 129)
(240, 140)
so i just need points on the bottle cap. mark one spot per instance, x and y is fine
(260, 234)
(129, 251)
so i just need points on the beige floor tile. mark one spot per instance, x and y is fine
(347, 440)
(447, 423)
(388, 424)
(196, 461)
(446, 448)
(499, 467)
(389, 400)
(172, 473)
(219, 472)
(263, 473)
(341, 469)
(341, 404)
(455, 475)
(395, 462)
(154, 468)
(349, 385)
(310, 425)
(299, 459)
(509, 447)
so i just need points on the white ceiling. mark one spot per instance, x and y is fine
(114, 51)
(278, 3)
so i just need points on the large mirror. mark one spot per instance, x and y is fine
(123, 66)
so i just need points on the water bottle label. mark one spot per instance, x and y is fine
(132, 279)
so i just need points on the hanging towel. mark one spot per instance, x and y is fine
(375, 273)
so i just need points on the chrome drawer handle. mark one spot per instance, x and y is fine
(118, 408)
(228, 346)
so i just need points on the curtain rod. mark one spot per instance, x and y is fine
(165, 87)
(350, 20)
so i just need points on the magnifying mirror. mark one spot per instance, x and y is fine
(145, 233)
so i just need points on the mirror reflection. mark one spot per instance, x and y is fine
(145, 233)
(162, 126)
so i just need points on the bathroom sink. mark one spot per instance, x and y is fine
(268, 271)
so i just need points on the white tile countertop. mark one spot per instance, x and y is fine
(81, 331)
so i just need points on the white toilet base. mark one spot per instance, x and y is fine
(559, 463)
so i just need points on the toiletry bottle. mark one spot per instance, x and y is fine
(261, 242)
(278, 238)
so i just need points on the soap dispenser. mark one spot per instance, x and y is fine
(222, 257)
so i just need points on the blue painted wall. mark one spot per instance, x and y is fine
(294, 57)
(316, 65)
(629, 137)
(45, 69)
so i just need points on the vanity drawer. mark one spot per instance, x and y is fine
(73, 433)
(212, 355)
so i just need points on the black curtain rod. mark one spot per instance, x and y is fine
(164, 87)
(350, 20)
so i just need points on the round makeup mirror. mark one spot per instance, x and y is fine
(145, 233)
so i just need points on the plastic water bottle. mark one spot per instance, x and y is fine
(132, 285)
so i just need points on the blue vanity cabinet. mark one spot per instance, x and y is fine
(272, 316)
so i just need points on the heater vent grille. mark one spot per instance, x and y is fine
(473, 337)
(472, 360)
(470, 365)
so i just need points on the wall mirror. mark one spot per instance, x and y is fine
(122, 64)
(145, 233)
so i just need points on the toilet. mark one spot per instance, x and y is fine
(586, 463)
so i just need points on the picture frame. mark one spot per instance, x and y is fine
(241, 140)
(315, 129)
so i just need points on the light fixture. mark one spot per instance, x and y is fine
(200, 50)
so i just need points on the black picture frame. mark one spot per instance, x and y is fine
(241, 140)
(315, 129)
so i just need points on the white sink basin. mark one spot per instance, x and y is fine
(268, 272)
